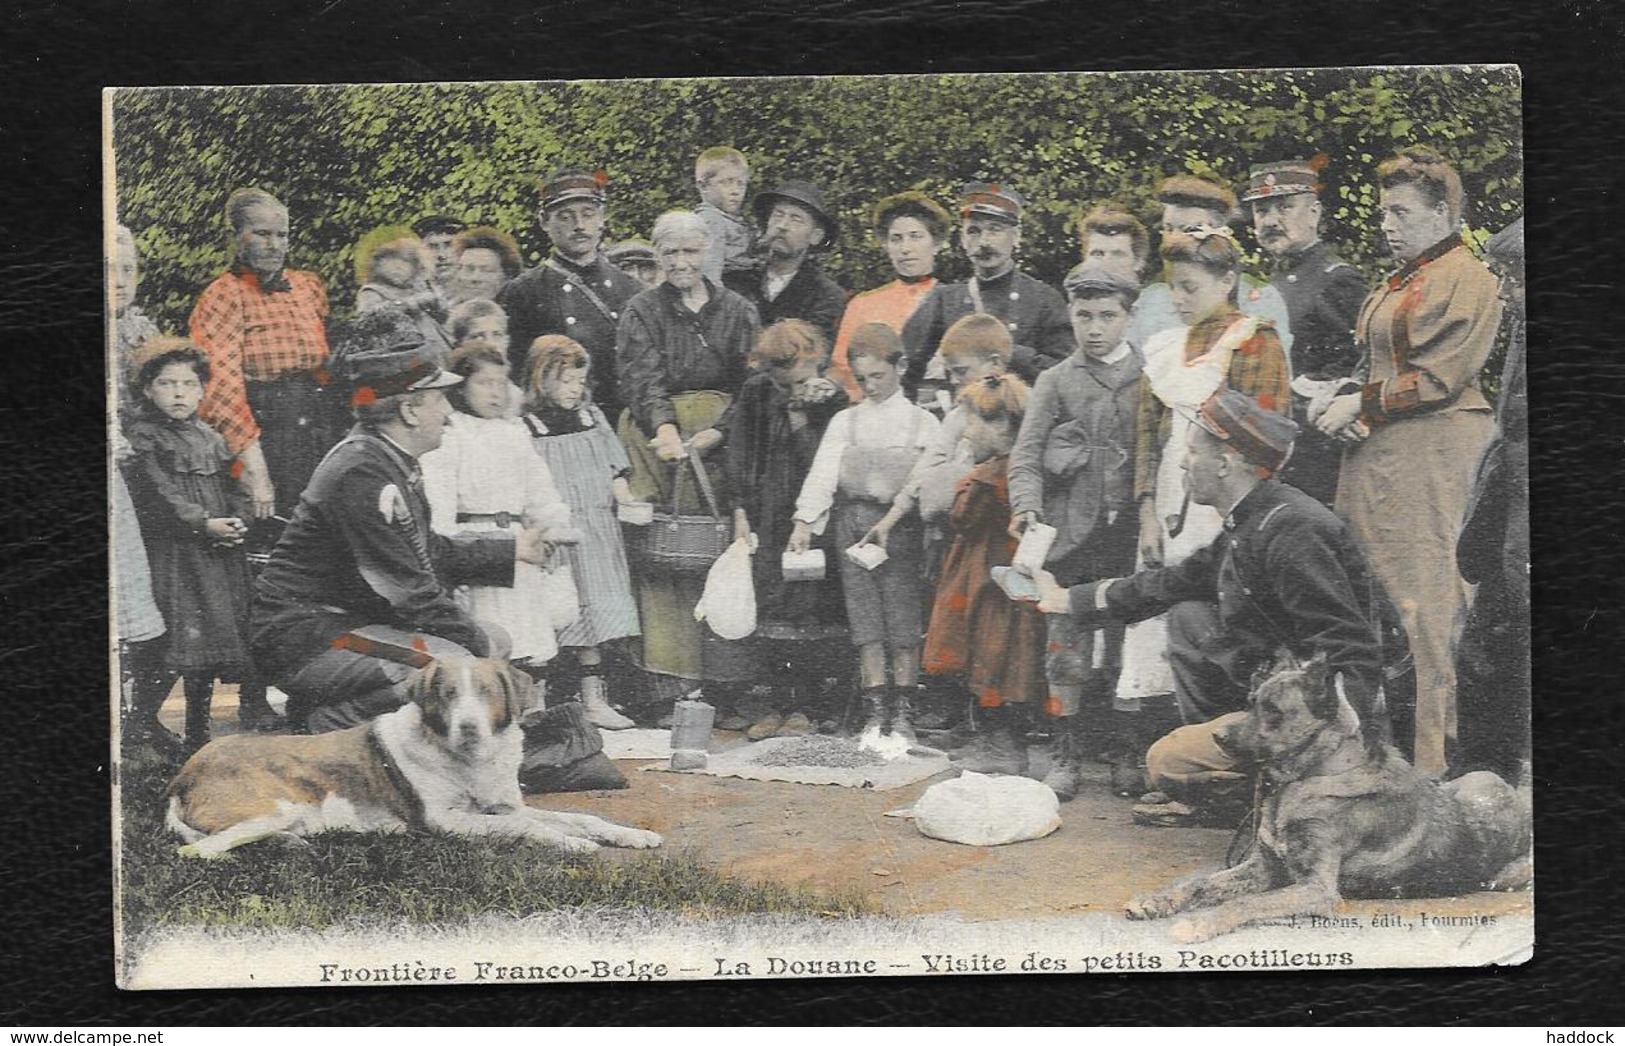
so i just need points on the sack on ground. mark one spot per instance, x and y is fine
(565, 753)
(728, 604)
(984, 810)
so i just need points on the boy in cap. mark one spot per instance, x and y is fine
(1191, 203)
(439, 233)
(722, 176)
(1072, 468)
(1033, 313)
(576, 292)
(636, 258)
(1323, 294)
(1285, 571)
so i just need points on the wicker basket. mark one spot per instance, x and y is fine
(681, 544)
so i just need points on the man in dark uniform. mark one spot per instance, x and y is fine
(439, 233)
(1285, 572)
(359, 555)
(1323, 294)
(1035, 313)
(790, 286)
(576, 291)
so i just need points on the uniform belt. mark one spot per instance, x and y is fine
(501, 519)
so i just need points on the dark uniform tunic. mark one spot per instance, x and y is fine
(810, 295)
(548, 300)
(1323, 294)
(359, 551)
(1284, 572)
(1034, 312)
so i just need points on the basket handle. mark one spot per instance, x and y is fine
(704, 480)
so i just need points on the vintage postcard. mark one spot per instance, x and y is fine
(857, 526)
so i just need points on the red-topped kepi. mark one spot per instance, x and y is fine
(991, 200)
(574, 183)
(1283, 178)
(1263, 437)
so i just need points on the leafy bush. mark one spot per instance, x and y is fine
(349, 159)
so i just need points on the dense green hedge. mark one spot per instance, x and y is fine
(349, 159)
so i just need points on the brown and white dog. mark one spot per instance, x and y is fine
(448, 759)
(1344, 817)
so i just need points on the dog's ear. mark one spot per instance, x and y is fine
(1317, 687)
(425, 690)
(516, 688)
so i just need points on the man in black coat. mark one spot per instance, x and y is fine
(359, 556)
(1285, 572)
(576, 292)
(1323, 294)
(795, 224)
(1034, 312)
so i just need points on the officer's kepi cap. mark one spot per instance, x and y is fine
(991, 200)
(391, 360)
(1263, 437)
(1286, 178)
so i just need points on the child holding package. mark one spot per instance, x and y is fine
(193, 519)
(975, 628)
(485, 476)
(1072, 469)
(722, 176)
(862, 462)
(590, 466)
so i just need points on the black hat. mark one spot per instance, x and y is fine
(803, 194)
(574, 183)
(991, 200)
(437, 224)
(384, 354)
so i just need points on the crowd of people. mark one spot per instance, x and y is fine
(1179, 478)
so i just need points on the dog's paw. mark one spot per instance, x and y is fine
(198, 852)
(636, 839)
(1191, 930)
(1152, 906)
(575, 844)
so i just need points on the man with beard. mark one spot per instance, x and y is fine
(795, 223)
(1033, 312)
(576, 292)
(1323, 295)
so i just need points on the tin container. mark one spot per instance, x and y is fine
(636, 513)
(691, 734)
(803, 566)
(867, 556)
(1035, 545)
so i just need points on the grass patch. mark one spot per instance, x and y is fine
(420, 878)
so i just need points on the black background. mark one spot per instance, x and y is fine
(55, 864)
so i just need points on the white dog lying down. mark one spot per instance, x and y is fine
(448, 759)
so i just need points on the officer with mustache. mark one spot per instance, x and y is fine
(576, 292)
(1323, 295)
(1034, 312)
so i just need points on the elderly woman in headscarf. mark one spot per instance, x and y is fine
(1418, 424)
(681, 348)
(264, 329)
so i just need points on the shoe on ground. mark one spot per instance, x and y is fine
(1063, 779)
(765, 727)
(829, 726)
(734, 721)
(1165, 815)
(1128, 779)
(601, 715)
(795, 725)
(1155, 799)
(931, 721)
(1004, 754)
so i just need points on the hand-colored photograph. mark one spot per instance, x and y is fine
(661, 530)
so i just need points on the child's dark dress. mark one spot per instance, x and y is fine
(180, 476)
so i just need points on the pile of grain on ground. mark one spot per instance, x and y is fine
(819, 751)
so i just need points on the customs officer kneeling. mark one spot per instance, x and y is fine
(358, 556)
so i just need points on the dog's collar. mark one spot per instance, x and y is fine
(392, 772)
(1284, 769)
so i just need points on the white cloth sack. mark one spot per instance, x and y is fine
(987, 810)
(728, 604)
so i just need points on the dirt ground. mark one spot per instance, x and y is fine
(836, 838)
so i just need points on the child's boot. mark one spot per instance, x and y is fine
(599, 712)
(1065, 757)
(1006, 748)
(199, 699)
(875, 700)
(902, 711)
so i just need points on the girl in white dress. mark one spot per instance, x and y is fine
(486, 476)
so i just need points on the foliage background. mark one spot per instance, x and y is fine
(347, 159)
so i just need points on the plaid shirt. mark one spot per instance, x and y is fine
(1258, 368)
(254, 334)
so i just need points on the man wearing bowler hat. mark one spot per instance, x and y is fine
(1323, 295)
(576, 292)
(795, 225)
(1033, 312)
(358, 563)
(1284, 572)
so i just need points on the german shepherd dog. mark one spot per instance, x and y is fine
(1344, 816)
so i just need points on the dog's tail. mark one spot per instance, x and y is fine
(172, 820)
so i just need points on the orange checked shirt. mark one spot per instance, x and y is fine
(254, 334)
